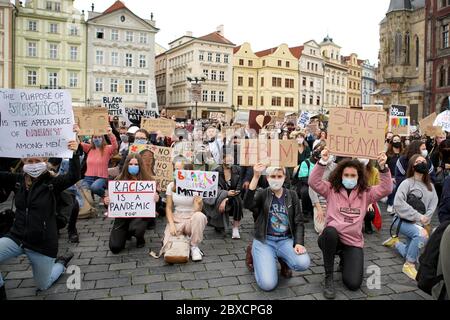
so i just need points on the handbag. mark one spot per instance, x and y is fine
(416, 203)
(176, 251)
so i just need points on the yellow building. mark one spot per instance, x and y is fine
(266, 80)
(354, 80)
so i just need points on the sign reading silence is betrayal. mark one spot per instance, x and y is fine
(35, 123)
(197, 183)
(92, 121)
(355, 133)
(131, 199)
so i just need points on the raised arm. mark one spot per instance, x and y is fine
(384, 188)
(62, 182)
(316, 181)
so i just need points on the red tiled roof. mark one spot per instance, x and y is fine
(297, 51)
(236, 49)
(360, 62)
(266, 52)
(116, 6)
(216, 37)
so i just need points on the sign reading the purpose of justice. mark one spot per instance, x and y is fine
(131, 199)
(197, 183)
(354, 133)
(36, 123)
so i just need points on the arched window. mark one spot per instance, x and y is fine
(398, 47)
(442, 77)
(407, 47)
(417, 51)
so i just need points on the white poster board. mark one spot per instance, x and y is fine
(202, 184)
(443, 120)
(36, 123)
(131, 199)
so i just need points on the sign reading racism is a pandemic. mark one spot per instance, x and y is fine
(131, 199)
(35, 123)
(201, 184)
(355, 133)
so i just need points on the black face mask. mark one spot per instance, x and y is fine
(131, 139)
(397, 145)
(421, 168)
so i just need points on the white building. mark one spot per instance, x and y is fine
(121, 57)
(210, 57)
(311, 78)
(6, 45)
(335, 75)
(369, 82)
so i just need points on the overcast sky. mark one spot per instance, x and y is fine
(353, 24)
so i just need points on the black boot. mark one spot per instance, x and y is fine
(65, 259)
(3, 293)
(368, 227)
(328, 290)
(74, 237)
(140, 242)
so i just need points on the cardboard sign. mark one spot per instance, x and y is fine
(176, 114)
(219, 116)
(197, 183)
(399, 126)
(356, 133)
(157, 161)
(35, 123)
(258, 120)
(374, 107)
(92, 121)
(398, 111)
(303, 120)
(277, 116)
(167, 127)
(426, 125)
(270, 152)
(443, 120)
(131, 199)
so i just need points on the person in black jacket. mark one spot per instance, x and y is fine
(279, 228)
(34, 232)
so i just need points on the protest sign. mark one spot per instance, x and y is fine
(242, 117)
(443, 120)
(426, 125)
(92, 121)
(270, 152)
(258, 120)
(131, 199)
(177, 114)
(398, 111)
(184, 150)
(303, 119)
(219, 116)
(355, 133)
(197, 183)
(134, 116)
(375, 107)
(399, 126)
(35, 123)
(167, 127)
(114, 105)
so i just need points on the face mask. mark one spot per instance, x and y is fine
(140, 141)
(300, 140)
(424, 153)
(364, 162)
(98, 142)
(35, 170)
(397, 145)
(124, 138)
(275, 184)
(407, 142)
(421, 168)
(133, 170)
(349, 184)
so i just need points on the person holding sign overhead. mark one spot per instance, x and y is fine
(125, 228)
(348, 197)
(34, 232)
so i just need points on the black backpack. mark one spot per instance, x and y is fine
(427, 276)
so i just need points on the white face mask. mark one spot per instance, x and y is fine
(424, 153)
(35, 170)
(300, 140)
(275, 184)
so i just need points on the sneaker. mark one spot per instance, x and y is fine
(329, 292)
(410, 271)
(236, 235)
(391, 242)
(65, 259)
(390, 209)
(196, 254)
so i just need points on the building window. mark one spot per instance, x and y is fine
(250, 82)
(205, 96)
(289, 83)
(73, 53)
(53, 51)
(239, 101)
(49, 5)
(142, 86)
(32, 25)
(226, 58)
(417, 51)
(53, 79)
(222, 76)
(250, 101)
(129, 36)
(262, 81)
(304, 99)
(304, 81)
(264, 63)
(32, 77)
(73, 80)
(218, 57)
(276, 101)
(288, 102)
(442, 77)
(240, 81)
(128, 86)
(201, 56)
(114, 84)
(280, 63)
(99, 57)
(53, 28)
(32, 49)
(57, 7)
(407, 46)
(316, 67)
(318, 101)
(445, 41)
(308, 66)
(398, 47)
(73, 30)
(143, 39)
(250, 63)
(209, 56)
(241, 62)
(213, 75)
(100, 33)
(221, 96)
(129, 60)
(114, 58)
(213, 96)
(114, 35)
(288, 64)
(276, 82)
(206, 73)
(142, 61)
(311, 100)
(349, 101)
(311, 83)
(262, 101)
(99, 85)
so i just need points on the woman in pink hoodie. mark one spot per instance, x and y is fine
(348, 196)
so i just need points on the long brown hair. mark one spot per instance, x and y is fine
(102, 147)
(149, 169)
(143, 174)
(425, 177)
(413, 148)
(336, 176)
(390, 152)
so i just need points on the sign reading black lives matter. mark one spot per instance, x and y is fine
(35, 123)
(131, 199)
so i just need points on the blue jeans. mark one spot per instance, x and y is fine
(45, 270)
(265, 258)
(414, 241)
(95, 184)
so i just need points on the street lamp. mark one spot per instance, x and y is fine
(196, 80)
(89, 102)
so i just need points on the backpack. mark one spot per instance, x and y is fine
(427, 276)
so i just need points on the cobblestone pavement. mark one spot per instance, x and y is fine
(222, 275)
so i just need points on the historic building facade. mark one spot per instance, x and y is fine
(368, 83)
(354, 80)
(6, 44)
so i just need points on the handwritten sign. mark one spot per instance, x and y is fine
(134, 116)
(270, 152)
(258, 120)
(355, 133)
(303, 120)
(176, 114)
(184, 149)
(443, 120)
(426, 125)
(131, 199)
(92, 121)
(35, 123)
(114, 105)
(399, 126)
(242, 117)
(197, 183)
(167, 127)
